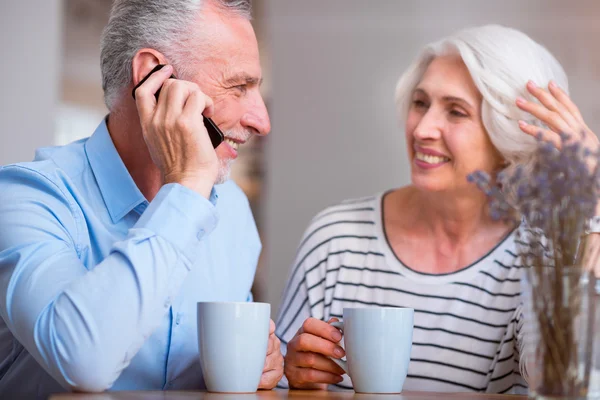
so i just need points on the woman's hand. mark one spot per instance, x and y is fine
(307, 365)
(559, 113)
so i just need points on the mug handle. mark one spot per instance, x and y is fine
(343, 364)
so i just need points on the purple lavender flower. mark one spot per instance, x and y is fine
(555, 196)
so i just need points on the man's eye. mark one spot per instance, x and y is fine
(241, 88)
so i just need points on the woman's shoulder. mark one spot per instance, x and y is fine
(349, 219)
(350, 208)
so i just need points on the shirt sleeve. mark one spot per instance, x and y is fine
(85, 326)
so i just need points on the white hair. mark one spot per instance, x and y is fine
(163, 25)
(500, 60)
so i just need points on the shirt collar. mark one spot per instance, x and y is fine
(119, 191)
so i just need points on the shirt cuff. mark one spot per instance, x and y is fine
(181, 216)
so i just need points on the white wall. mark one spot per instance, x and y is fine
(31, 41)
(335, 65)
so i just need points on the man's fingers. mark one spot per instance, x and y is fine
(272, 371)
(273, 361)
(144, 95)
(274, 344)
(269, 379)
(271, 327)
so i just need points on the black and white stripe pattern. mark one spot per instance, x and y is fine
(465, 336)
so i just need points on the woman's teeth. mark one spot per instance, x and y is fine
(429, 159)
(233, 144)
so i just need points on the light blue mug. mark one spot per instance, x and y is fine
(378, 342)
(232, 342)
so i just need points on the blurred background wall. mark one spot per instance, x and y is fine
(31, 35)
(330, 69)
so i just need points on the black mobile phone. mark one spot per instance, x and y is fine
(215, 134)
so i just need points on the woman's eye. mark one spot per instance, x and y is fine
(419, 103)
(456, 113)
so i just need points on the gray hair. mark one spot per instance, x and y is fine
(163, 25)
(500, 61)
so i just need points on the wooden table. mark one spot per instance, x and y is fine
(280, 394)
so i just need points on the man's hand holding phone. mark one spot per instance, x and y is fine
(174, 131)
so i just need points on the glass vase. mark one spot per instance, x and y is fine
(558, 331)
(594, 387)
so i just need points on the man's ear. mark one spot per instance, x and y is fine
(143, 62)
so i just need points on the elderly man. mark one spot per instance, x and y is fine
(108, 243)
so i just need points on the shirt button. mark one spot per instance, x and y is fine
(178, 319)
(200, 234)
(168, 302)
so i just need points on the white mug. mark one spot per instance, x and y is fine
(378, 343)
(232, 344)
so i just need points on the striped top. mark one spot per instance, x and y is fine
(466, 323)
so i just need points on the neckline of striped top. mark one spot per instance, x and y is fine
(465, 274)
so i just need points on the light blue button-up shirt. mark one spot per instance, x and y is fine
(98, 287)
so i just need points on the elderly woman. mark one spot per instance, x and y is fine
(469, 102)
